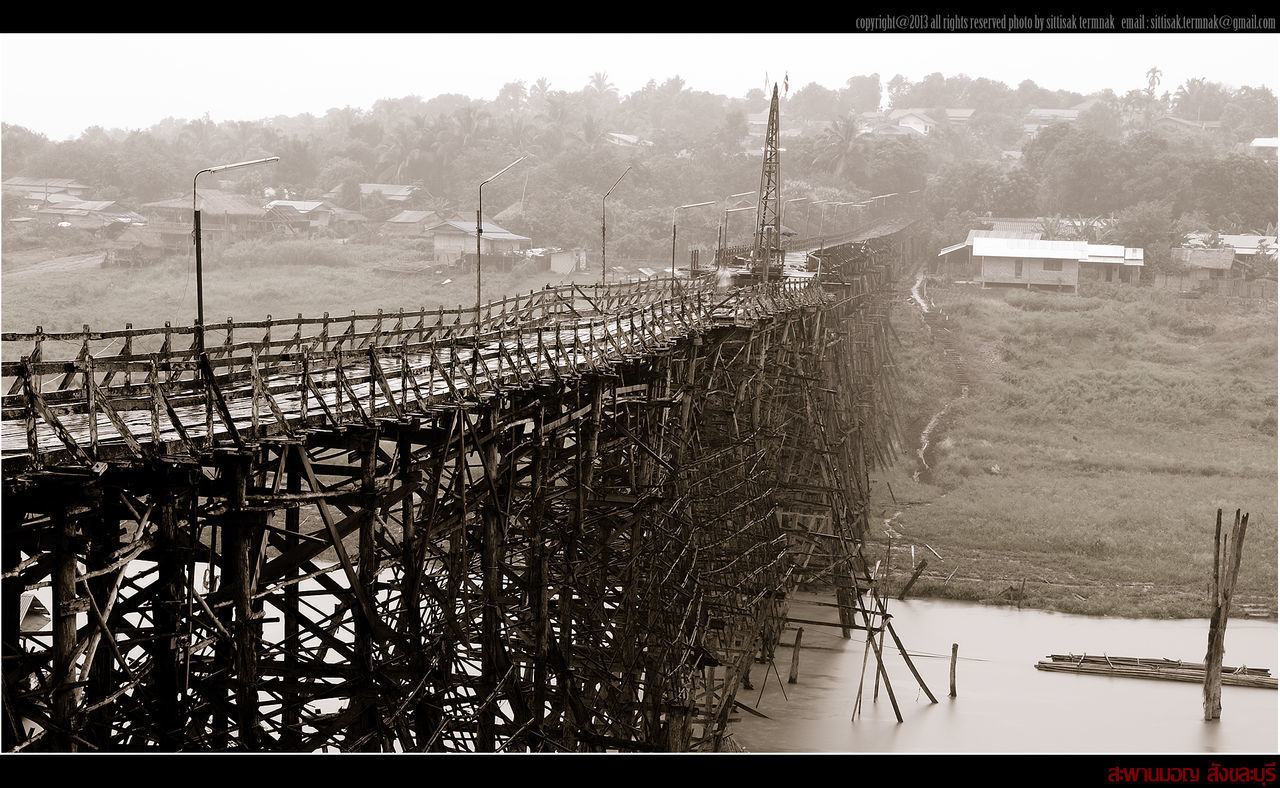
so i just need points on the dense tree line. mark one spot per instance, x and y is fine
(1115, 166)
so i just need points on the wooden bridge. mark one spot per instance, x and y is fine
(566, 523)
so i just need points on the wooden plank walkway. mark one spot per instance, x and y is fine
(102, 405)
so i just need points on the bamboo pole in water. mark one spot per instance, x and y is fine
(795, 657)
(1223, 587)
(955, 648)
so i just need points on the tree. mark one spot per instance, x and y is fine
(1148, 225)
(813, 102)
(840, 150)
(511, 98)
(861, 94)
(895, 164)
(1200, 100)
(965, 186)
(1250, 113)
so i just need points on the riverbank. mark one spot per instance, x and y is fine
(1081, 467)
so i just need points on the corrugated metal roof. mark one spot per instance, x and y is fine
(1248, 244)
(213, 201)
(1217, 259)
(412, 217)
(968, 241)
(1006, 227)
(301, 206)
(52, 183)
(1024, 247)
(1025, 236)
(489, 230)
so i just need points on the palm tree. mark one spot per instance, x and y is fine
(470, 124)
(538, 93)
(554, 120)
(592, 132)
(400, 148)
(839, 147)
(600, 85)
(1153, 79)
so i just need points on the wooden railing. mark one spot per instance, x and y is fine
(155, 394)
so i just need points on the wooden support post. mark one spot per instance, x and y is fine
(103, 673)
(12, 515)
(795, 657)
(64, 633)
(955, 649)
(914, 576)
(366, 725)
(291, 716)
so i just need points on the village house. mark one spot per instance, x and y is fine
(1022, 259)
(1042, 117)
(37, 191)
(914, 119)
(1171, 123)
(1232, 256)
(454, 240)
(1111, 263)
(225, 217)
(626, 140)
(956, 262)
(135, 245)
(411, 223)
(1202, 264)
(322, 216)
(1029, 262)
(92, 215)
(1264, 147)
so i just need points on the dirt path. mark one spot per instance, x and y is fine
(57, 265)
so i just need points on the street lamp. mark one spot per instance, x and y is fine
(603, 270)
(673, 232)
(196, 235)
(725, 222)
(480, 231)
(786, 203)
(808, 224)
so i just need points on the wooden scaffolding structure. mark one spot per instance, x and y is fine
(569, 526)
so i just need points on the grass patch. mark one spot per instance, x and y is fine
(249, 281)
(1101, 435)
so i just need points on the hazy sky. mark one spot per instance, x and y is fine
(59, 84)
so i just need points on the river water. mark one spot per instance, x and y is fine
(1003, 704)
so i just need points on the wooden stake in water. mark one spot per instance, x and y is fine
(795, 657)
(1224, 583)
(955, 648)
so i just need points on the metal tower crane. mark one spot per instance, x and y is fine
(768, 252)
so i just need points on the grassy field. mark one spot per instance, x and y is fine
(1084, 470)
(247, 281)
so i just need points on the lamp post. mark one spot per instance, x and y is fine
(784, 207)
(196, 235)
(673, 233)
(480, 231)
(603, 269)
(725, 221)
(808, 225)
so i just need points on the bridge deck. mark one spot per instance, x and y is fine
(268, 387)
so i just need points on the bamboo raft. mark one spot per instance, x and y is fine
(1154, 668)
